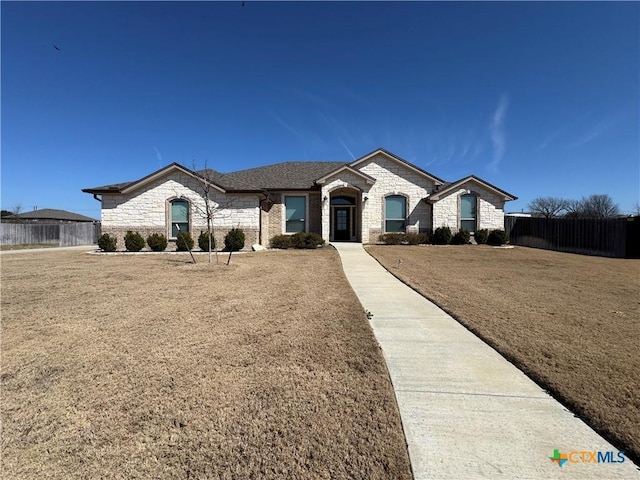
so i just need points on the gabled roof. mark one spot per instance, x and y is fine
(401, 161)
(449, 187)
(127, 187)
(53, 214)
(367, 178)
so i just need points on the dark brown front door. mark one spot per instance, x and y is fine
(342, 224)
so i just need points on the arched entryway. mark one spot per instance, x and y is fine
(345, 215)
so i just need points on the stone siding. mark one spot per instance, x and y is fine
(391, 178)
(147, 210)
(489, 210)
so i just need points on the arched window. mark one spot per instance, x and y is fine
(179, 217)
(395, 214)
(468, 214)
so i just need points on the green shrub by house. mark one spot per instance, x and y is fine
(481, 236)
(281, 241)
(306, 240)
(442, 236)
(497, 237)
(203, 241)
(133, 242)
(157, 242)
(107, 243)
(462, 237)
(391, 238)
(234, 240)
(184, 242)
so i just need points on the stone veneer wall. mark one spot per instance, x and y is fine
(146, 210)
(490, 208)
(391, 178)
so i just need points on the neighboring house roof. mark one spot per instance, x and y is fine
(449, 187)
(52, 214)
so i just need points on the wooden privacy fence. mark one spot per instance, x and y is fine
(62, 234)
(607, 237)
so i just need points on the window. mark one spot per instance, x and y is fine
(468, 212)
(295, 212)
(395, 214)
(179, 217)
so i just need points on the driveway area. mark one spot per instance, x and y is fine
(466, 411)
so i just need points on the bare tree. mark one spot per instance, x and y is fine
(211, 207)
(599, 206)
(635, 210)
(17, 208)
(548, 206)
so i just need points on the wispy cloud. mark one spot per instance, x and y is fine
(596, 131)
(498, 135)
(285, 125)
(158, 156)
(347, 149)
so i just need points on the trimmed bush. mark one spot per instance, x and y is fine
(203, 241)
(107, 243)
(306, 240)
(481, 236)
(462, 237)
(157, 242)
(234, 240)
(442, 236)
(392, 238)
(281, 241)
(133, 242)
(184, 242)
(416, 238)
(497, 237)
(404, 238)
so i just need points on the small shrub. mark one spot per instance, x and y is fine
(497, 237)
(442, 236)
(157, 242)
(392, 238)
(281, 241)
(184, 242)
(107, 243)
(462, 237)
(203, 241)
(234, 240)
(416, 238)
(306, 240)
(481, 236)
(133, 242)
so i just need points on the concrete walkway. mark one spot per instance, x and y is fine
(467, 413)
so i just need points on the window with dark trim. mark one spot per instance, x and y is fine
(395, 214)
(468, 214)
(179, 217)
(295, 212)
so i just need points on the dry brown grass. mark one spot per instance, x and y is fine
(571, 322)
(128, 367)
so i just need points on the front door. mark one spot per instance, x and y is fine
(342, 224)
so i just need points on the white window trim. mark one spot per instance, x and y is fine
(284, 211)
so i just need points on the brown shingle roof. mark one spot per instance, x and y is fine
(280, 176)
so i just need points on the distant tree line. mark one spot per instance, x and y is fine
(593, 206)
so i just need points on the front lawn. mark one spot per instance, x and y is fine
(570, 322)
(149, 366)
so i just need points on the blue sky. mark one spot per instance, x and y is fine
(539, 99)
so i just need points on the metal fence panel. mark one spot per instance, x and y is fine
(609, 237)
